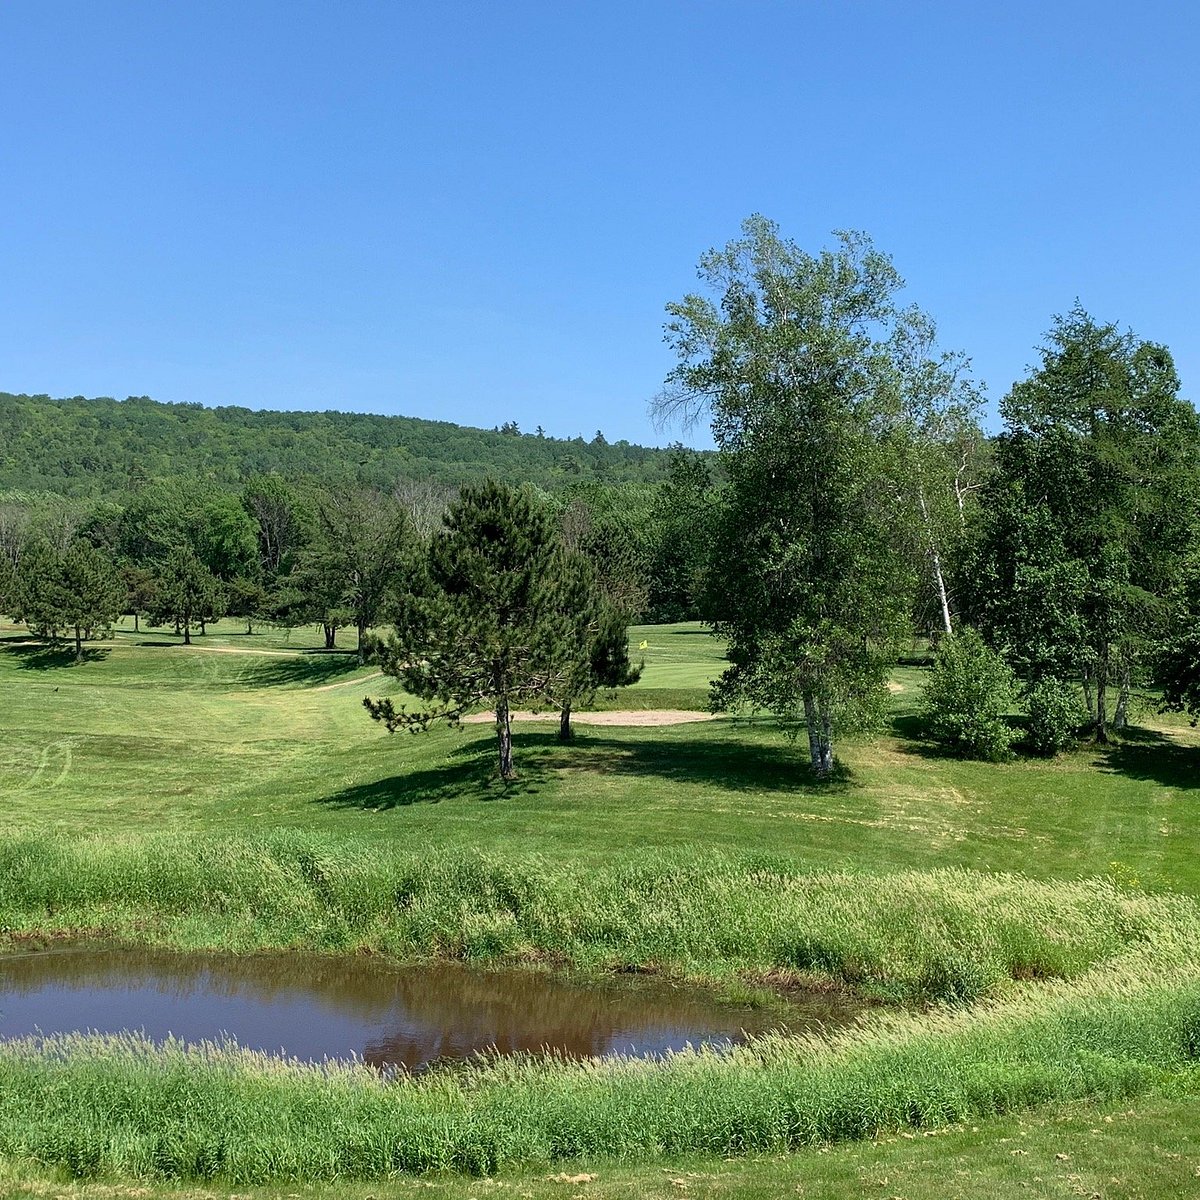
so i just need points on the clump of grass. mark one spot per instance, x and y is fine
(913, 936)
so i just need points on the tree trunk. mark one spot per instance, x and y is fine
(1121, 713)
(187, 633)
(249, 628)
(1088, 697)
(78, 645)
(330, 635)
(1102, 697)
(820, 735)
(203, 630)
(564, 723)
(504, 739)
(939, 577)
(135, 623)
(362, 629)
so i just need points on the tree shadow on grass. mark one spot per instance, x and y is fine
(715, 762)
(50, 656)
(1152, 756)
(303, 670)
(719, 761)
(469, 774)
(909, 729)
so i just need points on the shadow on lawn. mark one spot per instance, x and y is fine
(310, 667)
(470, 776)
(50, 656)
(1155, 757)
(717, 762)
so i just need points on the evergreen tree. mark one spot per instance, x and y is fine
(188, 593)
(77, 590)
(485, 625)
(597, 646)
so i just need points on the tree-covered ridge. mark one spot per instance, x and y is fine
(91, 448)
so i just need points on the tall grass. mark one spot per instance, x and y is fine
(102, 1105)
(933, 936)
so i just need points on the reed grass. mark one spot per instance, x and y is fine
(948, 935)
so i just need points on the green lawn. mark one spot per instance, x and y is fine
(158, 736)
(257, 734)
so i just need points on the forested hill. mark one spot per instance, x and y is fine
(91, 448)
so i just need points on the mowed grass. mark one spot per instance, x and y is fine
(245, 799)
(153, 737)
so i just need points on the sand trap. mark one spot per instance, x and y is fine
(648, 716)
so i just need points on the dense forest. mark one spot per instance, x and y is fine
(103, 447)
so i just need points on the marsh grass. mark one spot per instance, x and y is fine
(913, 936)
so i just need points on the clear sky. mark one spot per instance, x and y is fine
(476, 211)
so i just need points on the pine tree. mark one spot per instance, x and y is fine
(78, 589)
(597, 650)
(188, 593)
(485, 625)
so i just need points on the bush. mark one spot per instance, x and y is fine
(970, 690)
(1055, 714)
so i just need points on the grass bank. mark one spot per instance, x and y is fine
(910, 936)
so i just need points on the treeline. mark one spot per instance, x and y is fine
(181, 552)
(1058, 564)
(106, 448)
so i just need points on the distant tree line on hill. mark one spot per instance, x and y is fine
(104, 448)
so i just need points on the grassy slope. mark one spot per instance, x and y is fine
(146, 737)
(152, 737)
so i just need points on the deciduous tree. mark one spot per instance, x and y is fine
(795, 357)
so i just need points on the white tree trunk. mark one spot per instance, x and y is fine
(935, 559)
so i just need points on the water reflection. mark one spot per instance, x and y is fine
(314, 1007)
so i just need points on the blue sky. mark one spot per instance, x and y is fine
(476, 211)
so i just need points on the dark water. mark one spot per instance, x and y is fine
(312, 1007)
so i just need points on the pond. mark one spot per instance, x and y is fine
(389, 1014)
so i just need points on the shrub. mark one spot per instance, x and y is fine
(970, 690)
(1055, 714)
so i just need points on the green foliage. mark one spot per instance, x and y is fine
(76, 589)
(187, 593)
(1095, 500)
(355, 559)
(485, 626)
(1177, 655)
(595, 651)
(969, 693)
(683, 524)
(794, 356)
(1055, 716)
(108, 448)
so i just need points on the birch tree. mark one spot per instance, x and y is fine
(795, 359)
